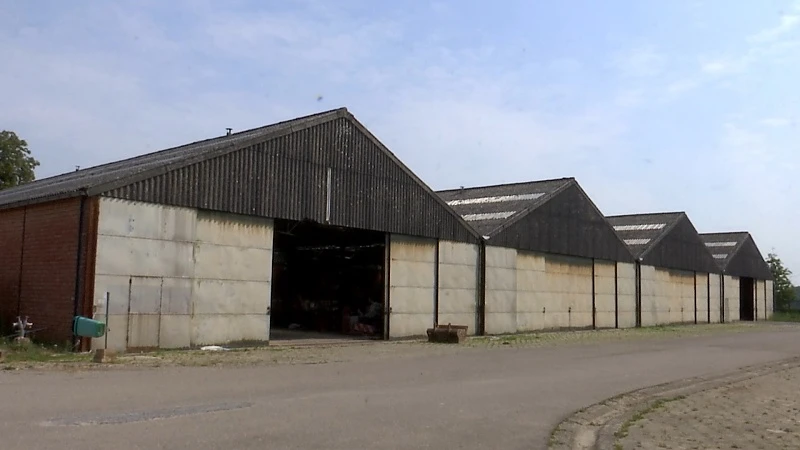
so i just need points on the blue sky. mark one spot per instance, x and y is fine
(653, 106)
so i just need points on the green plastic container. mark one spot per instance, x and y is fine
(86, 327)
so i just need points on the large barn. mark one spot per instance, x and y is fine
(310, 224)
(312, 227)
(552, 261)
(739, 258)
(678, 280)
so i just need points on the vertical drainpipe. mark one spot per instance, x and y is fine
(21, 261)
(616, 294)
(594, 297)
(755, 299)
(722, 297)
(481, 331)
(387, 290)
(695, 297)
(79, 263)
(708, 296)
(638, 296)
(436, 286)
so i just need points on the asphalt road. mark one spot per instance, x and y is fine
(481, 399)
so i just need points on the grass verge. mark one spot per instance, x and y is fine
(791, 316)
(35, 353)
(623, 431)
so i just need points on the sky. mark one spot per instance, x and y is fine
(687, 105)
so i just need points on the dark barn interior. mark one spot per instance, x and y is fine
(326, 280)
(746, 299)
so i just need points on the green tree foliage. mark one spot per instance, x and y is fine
(16, 163)
(784, 291)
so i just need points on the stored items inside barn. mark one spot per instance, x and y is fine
(327, 279)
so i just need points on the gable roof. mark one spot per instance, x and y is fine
(488, 208)
(99, 179)
(549, 216)
(737, 254)
(325, 167)
(667, 240)
(641, 232)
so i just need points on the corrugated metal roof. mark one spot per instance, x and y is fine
(97, 178)
(723, 246)
(488, 208)
(737, 254)
(641, 232)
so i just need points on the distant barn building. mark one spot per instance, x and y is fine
(750, 275)
(678, 281)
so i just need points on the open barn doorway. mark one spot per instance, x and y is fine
(328, 282)
(746, 299)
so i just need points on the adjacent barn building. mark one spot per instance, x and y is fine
(739, 258)
(552, 260)
(677, 280)
(310, 224)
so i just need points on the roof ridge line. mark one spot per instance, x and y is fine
(524, 212)
(465, 188)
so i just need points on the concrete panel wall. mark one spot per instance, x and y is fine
(412, 285)
(702, 298)
(569, 281)
(458, 284)
(626, 285)
(686, 310)
(604, 283)
(731, 299)
(178, 277)
(231, 289)
(501, 290)
(654, 299)
(533, 299)
(761, 299)
(770, 299)
(715, 298)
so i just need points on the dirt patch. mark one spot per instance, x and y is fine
(760, 413)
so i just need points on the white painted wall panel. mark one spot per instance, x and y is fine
(501, 290)
(458, 282)
(412, 285)
(731, 299)
(702, 298)
(653, 297)
(569, 292)
(147, 221)
(174, 274)
(531, 298)
(223, 262)
(604, 294)
(761, 299)
(144, 257)
(716, 312)
(770, 299)
(626, 279)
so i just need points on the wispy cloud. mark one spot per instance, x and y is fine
(644, 61)
(776, 122)
(787, 24)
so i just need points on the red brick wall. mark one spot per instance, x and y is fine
(11, 251)
(48, 265)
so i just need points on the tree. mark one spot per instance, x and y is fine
(784, 291)
(16, 163)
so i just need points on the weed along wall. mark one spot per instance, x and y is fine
(178, 277)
